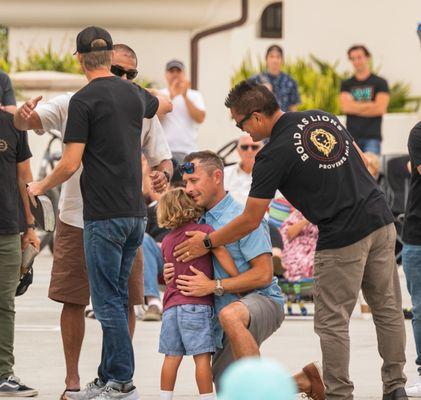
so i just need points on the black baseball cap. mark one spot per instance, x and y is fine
(88, 35)
(175, 64)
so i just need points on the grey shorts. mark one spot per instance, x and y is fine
(266, 317)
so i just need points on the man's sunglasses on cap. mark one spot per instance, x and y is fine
(186, 168)
(245, 147)
(120, 71)
(240, 124)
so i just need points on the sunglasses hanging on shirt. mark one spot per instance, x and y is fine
(120, 71)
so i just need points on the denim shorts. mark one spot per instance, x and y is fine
(187, 329)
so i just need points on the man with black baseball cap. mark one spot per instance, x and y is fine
(181, 125)
(85, 38)
(103, 129)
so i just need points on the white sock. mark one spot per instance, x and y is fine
(166, 395)
(207, 396)
(155, 302)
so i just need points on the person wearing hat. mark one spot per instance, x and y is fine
(14, 172)
(104, 130)
(181, 125)
(69, 281)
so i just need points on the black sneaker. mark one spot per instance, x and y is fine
(397, 394)
(11, 387)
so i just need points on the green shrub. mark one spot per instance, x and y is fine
(319, 84)
(4, 65)
(48, 60)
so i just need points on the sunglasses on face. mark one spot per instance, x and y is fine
(240, 124)
(186, 168)
(245, 147)
(120, 71)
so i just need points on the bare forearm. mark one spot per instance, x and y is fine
(20, 122)
(364, 109)
(61, 173)
(165, 165)
(252, 279)
(226, 261)
(294, 230)
(25, 200)
(197, 114)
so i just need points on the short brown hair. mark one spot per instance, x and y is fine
(208, 159)
(97, 59)
(359, 47)
(176, 208)
(123, 48)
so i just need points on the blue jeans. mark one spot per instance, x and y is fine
(371, 145)
(153, 264)
(411, 260)
(110, 248)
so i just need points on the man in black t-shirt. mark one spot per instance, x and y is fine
(7, 94)
(14, 167)
(312, 160)
(411, 255)
(103, 130)
(364, 99)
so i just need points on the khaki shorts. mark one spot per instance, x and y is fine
(266, 317)
(69, 278)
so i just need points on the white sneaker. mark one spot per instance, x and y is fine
(415, 389)
(109, 393)
(92, 390)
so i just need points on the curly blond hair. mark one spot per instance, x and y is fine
(176, 208)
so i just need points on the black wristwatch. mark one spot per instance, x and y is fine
(167, 175)
(32, 226)
(207, 242)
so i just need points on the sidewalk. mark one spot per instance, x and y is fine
(40, 360)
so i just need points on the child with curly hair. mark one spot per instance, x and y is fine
(187, 322)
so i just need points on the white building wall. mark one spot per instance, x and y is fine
(325, 28)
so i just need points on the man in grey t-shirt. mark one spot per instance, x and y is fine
(7, 95)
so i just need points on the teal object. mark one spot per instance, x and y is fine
(256, 378)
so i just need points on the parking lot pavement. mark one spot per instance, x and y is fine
(40, 361)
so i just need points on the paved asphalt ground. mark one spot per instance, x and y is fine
(40, 361)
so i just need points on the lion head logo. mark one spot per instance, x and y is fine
(323, 140)
(3, 145)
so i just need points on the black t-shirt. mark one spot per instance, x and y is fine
(107, 115)
(13, 150)
(364, 127)
(412, 226)
(7, 95)
(311, 159)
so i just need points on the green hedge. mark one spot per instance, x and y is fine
(319, 84)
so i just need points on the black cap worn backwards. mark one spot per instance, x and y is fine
(88, 35)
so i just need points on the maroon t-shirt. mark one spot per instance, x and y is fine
(172, 296)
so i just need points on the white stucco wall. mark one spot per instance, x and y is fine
(325, 28)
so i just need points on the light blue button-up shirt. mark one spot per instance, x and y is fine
(242, 251)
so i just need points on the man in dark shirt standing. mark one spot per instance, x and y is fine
(103, 130)
(411, 256)
(364, 99)
(7, 95)
(312, 160)
(14, 167)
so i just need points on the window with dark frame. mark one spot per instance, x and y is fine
(271, 21)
